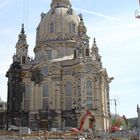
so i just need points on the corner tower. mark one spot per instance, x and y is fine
(15, 80)
(22, 48)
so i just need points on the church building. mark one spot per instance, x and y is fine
(63, 81)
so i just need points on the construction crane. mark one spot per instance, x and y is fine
(137, 13)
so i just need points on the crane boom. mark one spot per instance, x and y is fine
(88, 113)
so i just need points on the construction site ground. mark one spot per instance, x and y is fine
(45, 135)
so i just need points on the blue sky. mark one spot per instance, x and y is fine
(111, 22)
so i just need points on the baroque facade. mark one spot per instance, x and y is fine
(65, 78)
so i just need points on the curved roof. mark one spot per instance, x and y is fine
(60, 20)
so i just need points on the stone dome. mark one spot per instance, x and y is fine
(61, 20)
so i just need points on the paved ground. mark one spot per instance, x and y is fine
(39, 138)
(4, 135)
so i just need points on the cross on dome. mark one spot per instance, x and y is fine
(22, 29)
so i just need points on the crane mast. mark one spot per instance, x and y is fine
(115, 106)
(137, 13)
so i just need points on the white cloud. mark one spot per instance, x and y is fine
(98, 14)
(4, 3)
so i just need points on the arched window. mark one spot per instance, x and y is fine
(89, 94)
(68, 88)
(68, 95)
(45, 104)
(26, 97)
(89, 87)
(72, 27)
(51, 27)
(87, 52)
(45, 90)
(23, 59)
(49, 53)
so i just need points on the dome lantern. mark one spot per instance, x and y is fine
(60, 3)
